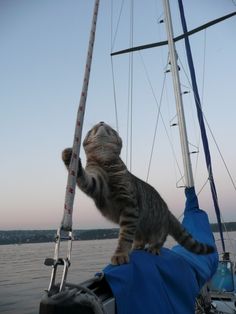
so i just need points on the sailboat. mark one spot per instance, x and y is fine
(96, 295)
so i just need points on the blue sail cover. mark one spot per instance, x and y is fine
(170, 282)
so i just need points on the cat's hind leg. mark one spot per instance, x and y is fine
(138, 245)
(156, 245)
(154, 248)
(139, 241)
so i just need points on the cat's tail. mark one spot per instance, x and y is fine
(184, 238)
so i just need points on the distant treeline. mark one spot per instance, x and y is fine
(228, 226)
(40, 236)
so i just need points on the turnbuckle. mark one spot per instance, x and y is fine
(57, 261)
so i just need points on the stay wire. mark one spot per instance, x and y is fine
(130, 94)
(113, 39)
(227, 232)
(220, 153)
(114, 94)
(155, 130)
(217, 146)
(203, 90)
(159, 115)
(158, 112)
(204, 65)
(203, 186)
(112, 63)
(132, 81)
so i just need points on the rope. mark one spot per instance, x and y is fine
(66, 223)
(75, 295)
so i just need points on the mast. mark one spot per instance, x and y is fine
(188, 174)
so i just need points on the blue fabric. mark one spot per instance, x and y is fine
(170, 282)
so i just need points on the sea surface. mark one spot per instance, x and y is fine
(23, 276)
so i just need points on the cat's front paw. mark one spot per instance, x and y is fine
(66, 156)
(120, 258)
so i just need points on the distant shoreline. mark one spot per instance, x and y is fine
(45, 236)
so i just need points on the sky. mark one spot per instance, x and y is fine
(42, 58)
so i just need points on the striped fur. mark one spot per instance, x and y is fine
(137, 207)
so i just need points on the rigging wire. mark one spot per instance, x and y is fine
(204, 65)
(131, 83)
(130, 92)
(219, 151)
(201, 123)
(117, 25)
(129, 133)
(203, 90)
(159, 115)
(158, 111)
(113, 39)
(114, 95)
(205, 119)
(214, 139)
(227, 232)
(203, 186)
(112, 71)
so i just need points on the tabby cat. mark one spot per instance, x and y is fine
(137, 207)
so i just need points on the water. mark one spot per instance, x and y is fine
(23, 276)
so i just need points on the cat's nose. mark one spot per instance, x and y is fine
(102, 122)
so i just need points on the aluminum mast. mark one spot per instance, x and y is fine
(188, 174)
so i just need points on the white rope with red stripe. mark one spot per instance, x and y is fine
(66, 223)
